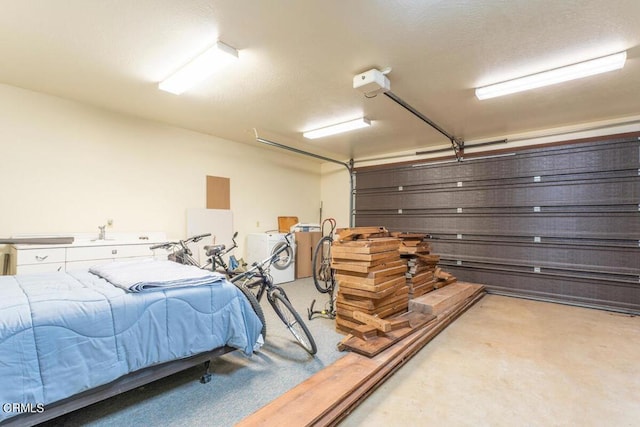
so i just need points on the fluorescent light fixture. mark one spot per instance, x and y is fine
(199, 68)
(557, 75)
(339, 128)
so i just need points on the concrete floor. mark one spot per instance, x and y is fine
(514, 362)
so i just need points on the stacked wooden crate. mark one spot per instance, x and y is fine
(370, 275)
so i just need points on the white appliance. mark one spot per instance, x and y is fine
(261, 246)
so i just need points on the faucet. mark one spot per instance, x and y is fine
(102, 234)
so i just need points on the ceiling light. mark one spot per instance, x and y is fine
(199, 68)
(339, 128)
(557, 75)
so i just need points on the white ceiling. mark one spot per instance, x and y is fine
(298, 59)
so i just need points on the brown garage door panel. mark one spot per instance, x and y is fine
(600, 259)
(623, 226)
(609, 155)
(543, 195)
(584, 292)
(570, 212)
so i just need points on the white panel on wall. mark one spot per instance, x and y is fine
(218, 222)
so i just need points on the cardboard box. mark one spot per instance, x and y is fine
(285, 223)
(306, 242)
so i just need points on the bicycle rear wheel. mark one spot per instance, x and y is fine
(323, 276)
(255, 305)
(292, 320)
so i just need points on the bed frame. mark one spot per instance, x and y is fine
(121, 385)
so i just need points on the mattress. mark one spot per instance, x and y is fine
(64, 333)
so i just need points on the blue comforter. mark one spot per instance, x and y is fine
(63, 333)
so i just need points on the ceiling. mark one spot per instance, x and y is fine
(298, 59)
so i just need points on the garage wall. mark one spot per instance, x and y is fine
(68, 167)
(559, 223)
(335, 193)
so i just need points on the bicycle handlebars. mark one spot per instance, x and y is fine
(182, 243)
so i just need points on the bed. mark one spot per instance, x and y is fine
(70, 339)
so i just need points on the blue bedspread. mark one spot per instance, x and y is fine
(63, 333)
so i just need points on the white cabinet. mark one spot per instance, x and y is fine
(37, 259)
(82, 254)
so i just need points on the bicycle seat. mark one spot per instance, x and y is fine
(213, 250)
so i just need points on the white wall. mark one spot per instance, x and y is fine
(335, 193)
(67, 167)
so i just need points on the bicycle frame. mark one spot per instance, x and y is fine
(216, 259)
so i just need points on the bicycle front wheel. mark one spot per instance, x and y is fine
(323, 276)
(255, 305)
(292, 320)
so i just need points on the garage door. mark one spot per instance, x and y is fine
(557, 223)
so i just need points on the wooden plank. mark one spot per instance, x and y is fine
(382, 283)
(357, 292)
(367, 319)
(390, 310)
(380, 241)
(442, 283)
(347, 324)
(409, 236)
(342, 377)
(366, 266)
(428, 258)
(398, 323)
(401, 289)
(355, 277)
(368, 246)
(365, 249)
(372, 306)
(440, 300)
(339, 256)
(345, 309)
(414, 250)
(422, 277)
(350, 233)
(441, 274)
(365, 332)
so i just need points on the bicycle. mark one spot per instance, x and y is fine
(258, 279)
(323, 275)
(182, 254)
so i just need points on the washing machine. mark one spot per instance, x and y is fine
(262, 245)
